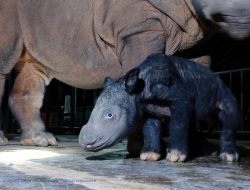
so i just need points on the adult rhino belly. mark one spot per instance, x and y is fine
(60, 35)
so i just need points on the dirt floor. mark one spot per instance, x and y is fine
(69, 167)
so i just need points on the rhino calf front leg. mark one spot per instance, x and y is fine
(178, 130)
(25, 103)
(151, 150)
(135, 142)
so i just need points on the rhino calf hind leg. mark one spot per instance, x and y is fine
(25, 102)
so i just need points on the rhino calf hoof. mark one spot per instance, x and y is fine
(3, 140)
(38, 139)
(150, 156)
(176, 156)
(229, 157)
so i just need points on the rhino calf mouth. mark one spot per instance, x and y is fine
(89, 147)
(99, 144)
(96, 145)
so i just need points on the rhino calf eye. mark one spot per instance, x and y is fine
(110, 115)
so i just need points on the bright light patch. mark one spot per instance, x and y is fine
(23, 155)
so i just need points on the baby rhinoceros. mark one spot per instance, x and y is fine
(187, 89)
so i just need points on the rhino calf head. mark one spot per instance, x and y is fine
(122, 105)
(112, 118)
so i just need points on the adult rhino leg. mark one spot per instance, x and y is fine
(3, 140)
(26, 100)
(11, 45)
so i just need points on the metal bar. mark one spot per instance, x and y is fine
(230, 80)
(9, 125)
(233, 71)
(45, 109)
(241, 98)
(60, 94)
(73, 108)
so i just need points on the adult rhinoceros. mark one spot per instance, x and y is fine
(80, 42)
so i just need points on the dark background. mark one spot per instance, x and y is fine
(226, 55)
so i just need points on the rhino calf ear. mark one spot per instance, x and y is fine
(107, 81)
(131, 80)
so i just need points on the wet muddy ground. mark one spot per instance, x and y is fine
(69, 167)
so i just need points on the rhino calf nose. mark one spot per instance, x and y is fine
(88, 146)
(83, 138)
(81, 141)
(86, 139)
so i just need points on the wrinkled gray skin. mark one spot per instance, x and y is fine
(80, 42)
(225, 15)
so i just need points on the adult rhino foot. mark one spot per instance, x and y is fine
(150, 156)
(229, 157)
(38, 139)
(176, 156)
(3, 140)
